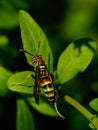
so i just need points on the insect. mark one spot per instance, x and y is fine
(42, 77)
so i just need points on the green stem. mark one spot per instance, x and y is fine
(92, 118)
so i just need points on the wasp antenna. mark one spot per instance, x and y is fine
(55, 105)
(38, 47)
(21, 50)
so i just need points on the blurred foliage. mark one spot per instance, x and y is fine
(24, 116)
(63, 22)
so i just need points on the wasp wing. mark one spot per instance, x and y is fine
(37, 85)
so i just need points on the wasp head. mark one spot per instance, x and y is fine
(37, 59)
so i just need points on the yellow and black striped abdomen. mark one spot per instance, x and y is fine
(49, 90)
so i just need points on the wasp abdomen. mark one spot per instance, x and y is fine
(49, 90)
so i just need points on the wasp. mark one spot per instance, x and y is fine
(42, 77)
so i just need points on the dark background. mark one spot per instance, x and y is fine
(63, 22)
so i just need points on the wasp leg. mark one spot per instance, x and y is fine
(33, 76)
(31, 66)
(55, 105)
(25, 80)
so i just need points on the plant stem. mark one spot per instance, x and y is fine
(92, 118)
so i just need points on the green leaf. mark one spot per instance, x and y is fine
(31, 36)
(3, 40)
(9, 16)
(22, 4)
(94, 104)
(24, 117)
(9, 12)
(75, 59)
(4, 76)
(20, 77)
(44, 107)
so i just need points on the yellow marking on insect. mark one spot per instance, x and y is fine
(50, 94)
(42, 67)
(46, 83)
(48, 90)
